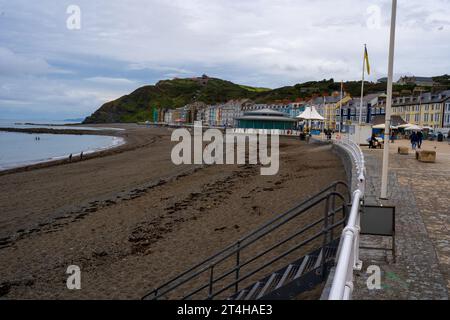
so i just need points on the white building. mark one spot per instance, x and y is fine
(230, 111)
(168, 116)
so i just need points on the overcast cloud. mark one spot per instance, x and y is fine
(48, 71)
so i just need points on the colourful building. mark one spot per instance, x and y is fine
(266, 119)
(426, 109)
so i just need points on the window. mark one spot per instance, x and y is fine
(437, 117)
(425, 117)
(407, 118)
(417, 118)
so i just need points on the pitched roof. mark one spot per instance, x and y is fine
(381, 119)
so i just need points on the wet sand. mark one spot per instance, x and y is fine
(131, 219)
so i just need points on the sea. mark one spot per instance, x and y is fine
(22, 149)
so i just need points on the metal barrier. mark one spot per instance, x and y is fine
(328, 196)
(348, 255)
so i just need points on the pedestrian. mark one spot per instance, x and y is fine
(81, 156)
(373, 142)
(70, 158)
(392, 137)
(414, 139)
(419, 139)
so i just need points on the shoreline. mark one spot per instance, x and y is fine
(123, 145)
(133, 219)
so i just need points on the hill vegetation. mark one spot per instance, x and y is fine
(138, 105)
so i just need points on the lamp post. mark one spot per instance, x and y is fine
(385, 171)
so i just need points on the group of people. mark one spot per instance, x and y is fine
(71, 157)
(416, 139)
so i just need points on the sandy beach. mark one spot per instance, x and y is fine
(131, 219)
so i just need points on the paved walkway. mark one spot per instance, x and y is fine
(421, 194)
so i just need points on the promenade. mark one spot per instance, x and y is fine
(421, 194)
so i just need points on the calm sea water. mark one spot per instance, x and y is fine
(20, 149)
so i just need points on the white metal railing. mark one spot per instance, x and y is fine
(348, 255)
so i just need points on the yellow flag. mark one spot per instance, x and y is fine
(366, 57)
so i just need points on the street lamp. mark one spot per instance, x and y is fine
(385, 171)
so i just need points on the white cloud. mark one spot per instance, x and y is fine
(13, 64)
(111, 81)
(258, 42)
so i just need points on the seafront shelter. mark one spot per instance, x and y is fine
(266, 119)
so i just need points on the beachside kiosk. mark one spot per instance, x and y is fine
(360, 133)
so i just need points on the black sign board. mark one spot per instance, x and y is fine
(378, 221)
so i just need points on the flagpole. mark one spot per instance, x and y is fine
(325, 112)
(362, 86)
(340, 107)
(385, 171)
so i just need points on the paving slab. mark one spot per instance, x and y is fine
(421, 193)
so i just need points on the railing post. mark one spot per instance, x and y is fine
(211, 280)
(333, 207)
(238, 262)
(357, 263)
(325, 234)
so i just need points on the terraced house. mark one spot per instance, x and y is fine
(447, 115)
(373, 105)
(230, 111)
(426, 110)
(328, 107)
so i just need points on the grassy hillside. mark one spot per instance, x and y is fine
(175, 93)
(138, 105)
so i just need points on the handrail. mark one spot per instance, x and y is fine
(284, 254)
(285, 240)
(242, 243)
(348, 255)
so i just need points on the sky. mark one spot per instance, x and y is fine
(51, 70)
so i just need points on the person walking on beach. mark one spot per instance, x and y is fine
(81, 156)
(419, 139)
(414, 139)
(70, 158)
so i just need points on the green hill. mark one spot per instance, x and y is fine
(138, 105)
(175, 93)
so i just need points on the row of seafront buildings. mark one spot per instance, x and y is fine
(424, 109)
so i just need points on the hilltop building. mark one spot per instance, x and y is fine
(419, 81)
